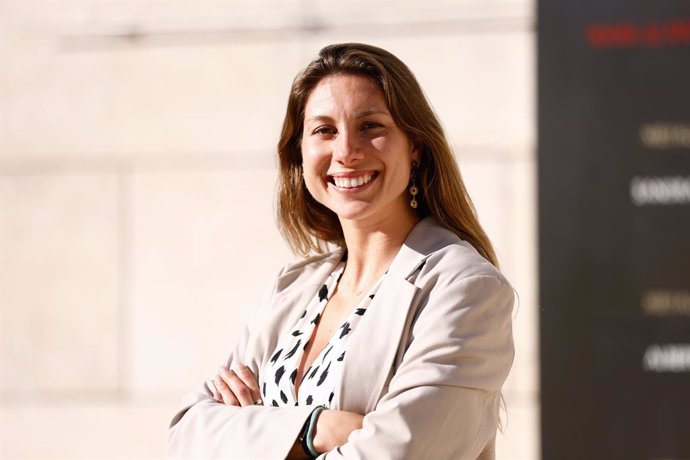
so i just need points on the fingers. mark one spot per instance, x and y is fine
(247, 377)
(223, 392)
(236, 390)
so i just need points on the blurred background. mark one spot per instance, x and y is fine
(137, 176)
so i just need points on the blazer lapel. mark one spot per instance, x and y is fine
(373, 347)
(291, 301)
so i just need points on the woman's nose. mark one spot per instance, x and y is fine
(347, 149)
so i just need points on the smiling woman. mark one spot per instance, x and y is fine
(396, 343)
(356, 160)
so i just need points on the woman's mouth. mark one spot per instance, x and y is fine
(350, 182)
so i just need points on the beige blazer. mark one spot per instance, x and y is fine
(425, 364)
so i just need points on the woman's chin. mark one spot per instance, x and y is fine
(367, 213)
(351, 214)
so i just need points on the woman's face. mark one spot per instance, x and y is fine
(356, 160)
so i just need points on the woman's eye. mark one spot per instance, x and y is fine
(371, 125)
(324, 131)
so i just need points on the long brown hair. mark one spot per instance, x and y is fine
(306, 224)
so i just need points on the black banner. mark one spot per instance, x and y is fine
(614, 230)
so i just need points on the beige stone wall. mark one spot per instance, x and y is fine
(136, 192)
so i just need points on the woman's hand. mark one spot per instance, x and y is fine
(333, 427)
(236, 387)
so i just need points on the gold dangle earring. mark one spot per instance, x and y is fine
(413, 188)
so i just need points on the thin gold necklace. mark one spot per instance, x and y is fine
(365, 287)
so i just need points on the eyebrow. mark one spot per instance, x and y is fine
(362, 114)
(366, 113)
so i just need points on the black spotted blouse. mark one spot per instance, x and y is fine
(320, 381)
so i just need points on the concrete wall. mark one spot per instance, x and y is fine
(137, 173)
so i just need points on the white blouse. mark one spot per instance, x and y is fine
(320, 380)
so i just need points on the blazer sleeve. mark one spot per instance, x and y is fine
(205, 429)
(443, 400)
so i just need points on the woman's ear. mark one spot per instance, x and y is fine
(416, 152)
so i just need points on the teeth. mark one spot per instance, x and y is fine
(346, 182)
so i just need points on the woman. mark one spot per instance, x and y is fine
(393, 345)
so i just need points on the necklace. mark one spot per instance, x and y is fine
(363, 288)
(355, 292)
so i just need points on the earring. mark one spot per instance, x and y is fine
(413, 188)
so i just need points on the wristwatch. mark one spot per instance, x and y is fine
(306, 436)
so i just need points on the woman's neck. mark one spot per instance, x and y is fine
(371, 247)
